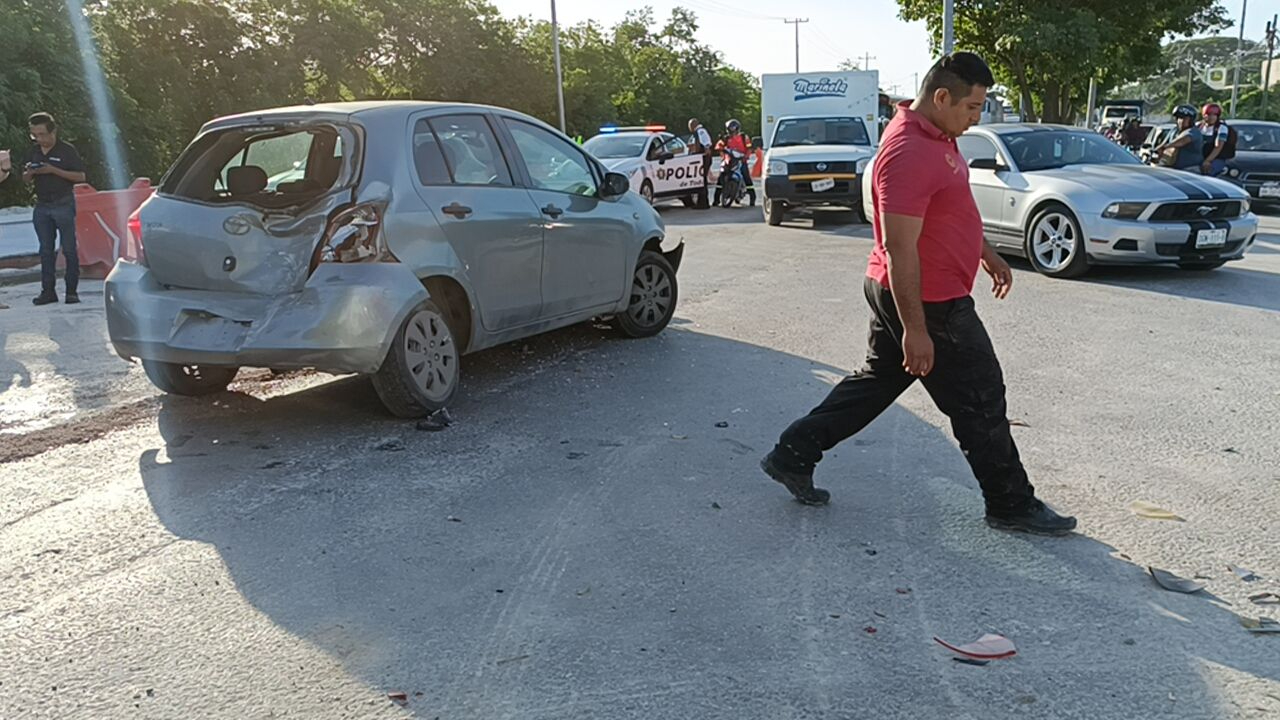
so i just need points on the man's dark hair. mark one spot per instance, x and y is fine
(958, 73)
(45, 119)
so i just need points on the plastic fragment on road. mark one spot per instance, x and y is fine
(452, 518)
(1245, 575)
(398, 697)
(971, 661)
(1261, 625)
(436, 421)
(1019, 423)
(1169, 581)
(1264, 598)
(722, 424)
(1153, 512)
(987, 647)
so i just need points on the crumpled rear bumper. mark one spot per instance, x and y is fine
(343, 320)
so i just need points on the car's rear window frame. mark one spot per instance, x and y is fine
(351, 133)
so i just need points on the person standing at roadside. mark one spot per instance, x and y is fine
(702, 144)
(929, 247)
(54, 167)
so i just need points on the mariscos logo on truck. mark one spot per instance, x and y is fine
(807, 89)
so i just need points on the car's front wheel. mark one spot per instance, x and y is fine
(192, 380)
(652, 299)
(774, 212)
(1055, 245)
(421, 372)
(1202, 266)
(646, 191)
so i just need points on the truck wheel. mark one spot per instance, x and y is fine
(774, 212)
(421, 372)
(191, 380)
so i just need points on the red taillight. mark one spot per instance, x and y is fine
(134, 226)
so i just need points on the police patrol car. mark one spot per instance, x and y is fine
(661, 165)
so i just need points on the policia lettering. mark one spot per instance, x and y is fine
(684, 172)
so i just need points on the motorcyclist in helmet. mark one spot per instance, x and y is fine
(735, 139)
(1216, 136)
(1132, 135)
(1184, 151)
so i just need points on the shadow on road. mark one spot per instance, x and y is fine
(587, 542)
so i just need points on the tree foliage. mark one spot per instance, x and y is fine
(172, 65)
(1047, 50)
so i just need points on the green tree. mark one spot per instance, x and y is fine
(1047, 51)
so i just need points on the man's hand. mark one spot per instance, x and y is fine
(1206, 167)
(6, 162)
(1000, 272)
(43, 170)
(917, 352)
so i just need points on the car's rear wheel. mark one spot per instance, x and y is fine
(1055, 244)
(646, 191)
(652, 299)
(774, 212)
(689, 201)
(192, 380)
(1202, 266)
(421, 372)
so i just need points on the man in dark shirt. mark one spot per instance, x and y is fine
(54, 167)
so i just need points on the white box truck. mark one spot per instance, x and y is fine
(819, 132)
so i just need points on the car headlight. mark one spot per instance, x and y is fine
(861, 166)
(1233, 172)
(1244, 207)
(1124, 210)
(777, 167)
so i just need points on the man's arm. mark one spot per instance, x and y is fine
(75, 176)
(901, 245)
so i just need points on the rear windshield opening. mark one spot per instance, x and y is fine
(266, 166)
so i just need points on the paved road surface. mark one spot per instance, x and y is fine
(615, 554)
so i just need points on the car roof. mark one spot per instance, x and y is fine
(349, 109)
(1245, 121)
(1022, 128)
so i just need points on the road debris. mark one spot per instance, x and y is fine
(576, 455)
(679, 437)
(871, 552)
(902, 591)
(273, 464)
(1019, 423)
(833, 616)
(390, 445)
(436, 421)
(1261, 625)
(1245, 575)
(722, 424)
(1264, 598)
(971, 661)
(517, 658)
(987, 647)
(869, 630)
(1169, 581)
(584, 591)
(397, 696)
(716, 506)
(452, 518)
(1153, 512)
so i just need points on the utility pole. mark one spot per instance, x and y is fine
(948, 26)
(1191, 67)
(797, 22)
(555, 41)
(869, 57)
(1093, 102)
(1271, 47)
(1235, 84)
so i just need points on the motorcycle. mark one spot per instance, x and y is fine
(733, 185)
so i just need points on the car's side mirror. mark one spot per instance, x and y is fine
(665, 155)
(986, 164)
(615, 185)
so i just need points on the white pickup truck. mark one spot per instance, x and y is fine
(819, 133)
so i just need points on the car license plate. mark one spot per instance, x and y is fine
(1211, 238)
(1269, 189)
(823, 185)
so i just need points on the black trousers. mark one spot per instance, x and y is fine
(966, 383)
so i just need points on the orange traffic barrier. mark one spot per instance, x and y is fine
(102, 234)
(757, 163)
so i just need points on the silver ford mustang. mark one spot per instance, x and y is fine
(1066, 198)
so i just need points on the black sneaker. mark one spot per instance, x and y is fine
(44, 299)
(1037, 519)
(72, 299)
(799, 483)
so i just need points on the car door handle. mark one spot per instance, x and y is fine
(456, 210)
(552, 211)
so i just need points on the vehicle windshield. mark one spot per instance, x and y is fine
(1257, 138)
(1033, 151)
(614, 147)
(821, 131)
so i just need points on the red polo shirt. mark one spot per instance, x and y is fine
(919, 172)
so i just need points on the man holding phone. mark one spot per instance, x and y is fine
(54, 167)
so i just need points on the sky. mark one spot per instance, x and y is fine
(751, 34)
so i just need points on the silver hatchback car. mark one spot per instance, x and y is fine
(385, 238)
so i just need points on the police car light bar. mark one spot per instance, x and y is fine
(633, 128)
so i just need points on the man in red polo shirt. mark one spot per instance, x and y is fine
(929, 246)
